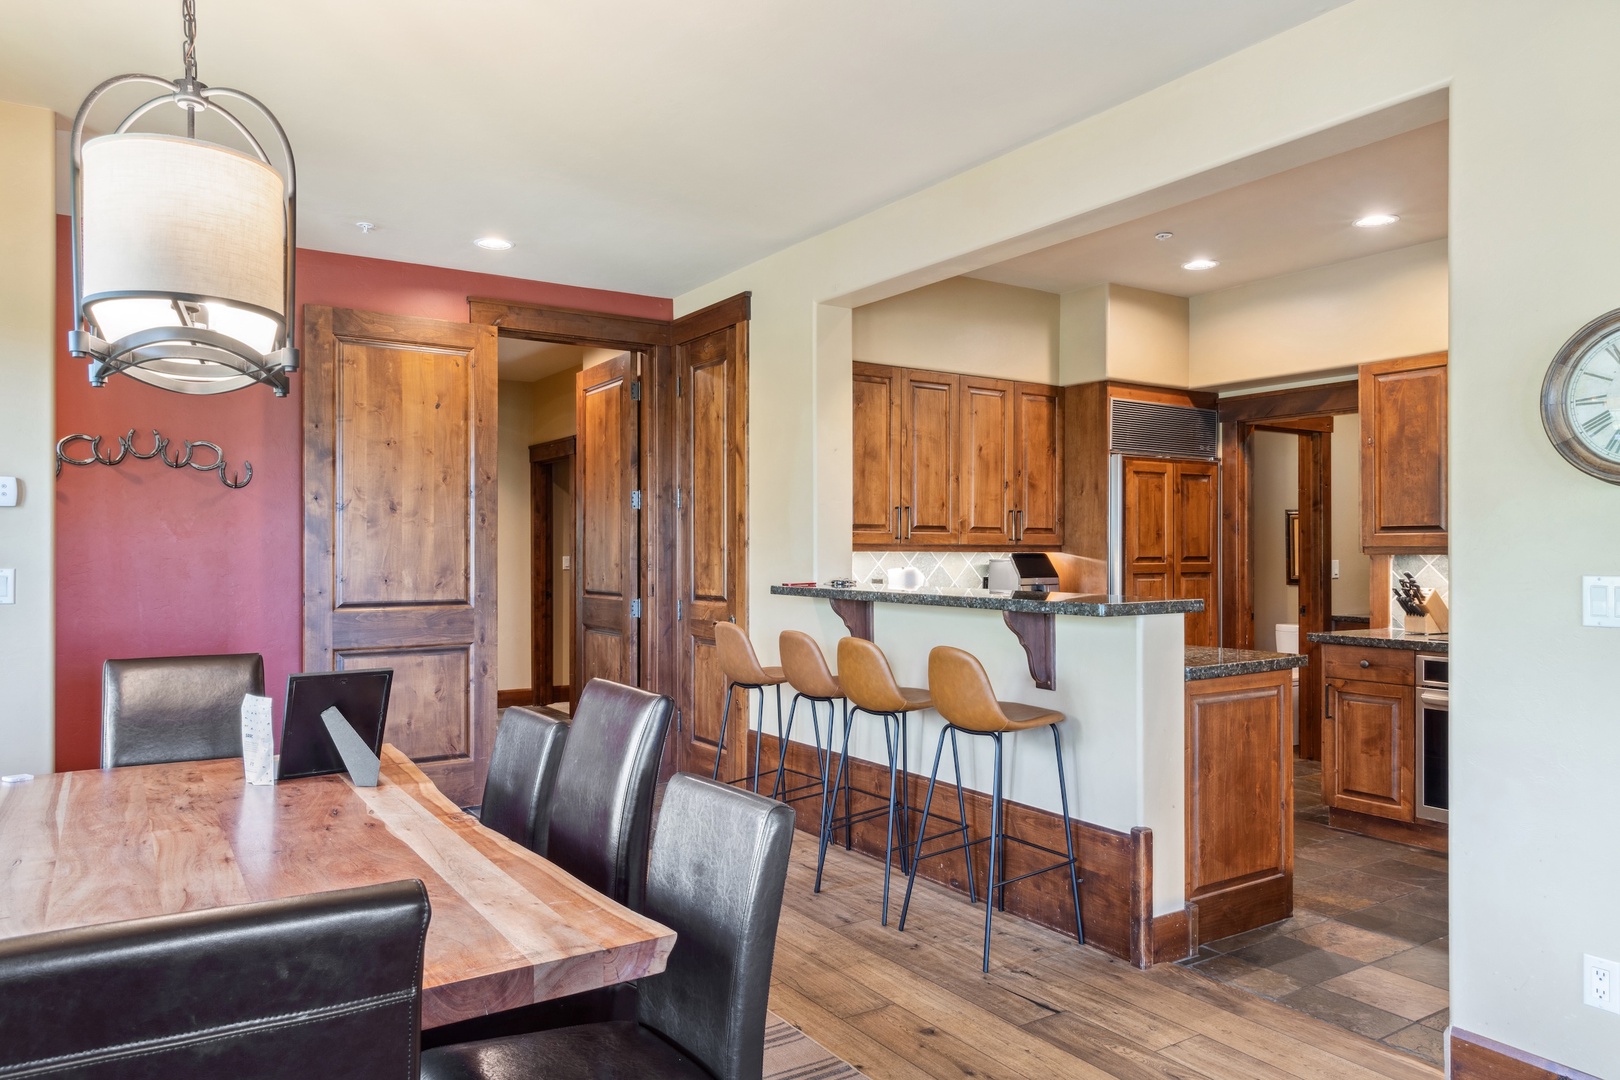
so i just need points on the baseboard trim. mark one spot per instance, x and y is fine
(1116, 895)
(505, 699)
(1474, 1057)
(1433, 836)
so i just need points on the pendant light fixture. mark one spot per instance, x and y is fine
(183, 248)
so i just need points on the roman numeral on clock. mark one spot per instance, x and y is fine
(1597, 423)
(1613, 449)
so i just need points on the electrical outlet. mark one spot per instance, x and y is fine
(1600, 983)
(8, 491)
(8, 586)
(1335, 569)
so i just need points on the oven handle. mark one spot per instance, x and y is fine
(1439, 698)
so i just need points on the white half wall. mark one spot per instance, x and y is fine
(27, 423)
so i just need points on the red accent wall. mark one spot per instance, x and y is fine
(152, 561)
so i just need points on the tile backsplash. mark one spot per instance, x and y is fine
(1431, 572)
(940, 569)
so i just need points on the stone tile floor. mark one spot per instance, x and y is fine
(1367, 947)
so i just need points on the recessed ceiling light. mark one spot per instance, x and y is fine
(1376, 221)
(492, 243)
(1163, 235)
(1200, 264)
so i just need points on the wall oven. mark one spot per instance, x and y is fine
(1433, 737)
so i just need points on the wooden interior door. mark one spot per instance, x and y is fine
(1149, 540)
(607, 526)
(928, 426)
(1196, 522)
(711, 528)
(876, 464)
(399, 525)
(984, 480)
(1038, 482)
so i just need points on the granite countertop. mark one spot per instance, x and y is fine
(1053, 603)
(1207, 663)
(1385, 639)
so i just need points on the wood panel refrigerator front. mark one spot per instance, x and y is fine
(399, 525)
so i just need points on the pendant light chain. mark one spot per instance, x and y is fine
(188, 51)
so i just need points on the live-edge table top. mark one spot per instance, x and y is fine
(508, 928)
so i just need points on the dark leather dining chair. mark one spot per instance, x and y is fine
(522, 776)
(718, 868)
(601, 807)
(175, 708)
(326, 984)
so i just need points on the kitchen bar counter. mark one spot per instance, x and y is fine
(1386, 638)
(1049, 603)
(1207, 663)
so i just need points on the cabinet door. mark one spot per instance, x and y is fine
(1368, 749)
(1149, 540)
(1196, 524)
(984, 482)
(876, 444)
(1403, 454)
(1038, 478)
(928, 428)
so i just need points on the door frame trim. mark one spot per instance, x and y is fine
(543, 459)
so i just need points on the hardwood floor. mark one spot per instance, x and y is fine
(914, 1006)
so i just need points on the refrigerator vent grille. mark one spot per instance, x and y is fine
(1150, 427)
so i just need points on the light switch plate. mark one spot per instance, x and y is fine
(1335, 569)
(8, 491)
(568, 562)
(1600, 601)
(8, 586)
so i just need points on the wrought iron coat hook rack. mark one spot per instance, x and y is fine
(160, 450)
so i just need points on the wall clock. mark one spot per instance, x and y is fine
(1580, 399)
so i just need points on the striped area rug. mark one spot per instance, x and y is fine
(790, 1054)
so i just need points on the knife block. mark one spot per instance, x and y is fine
(1436, 620)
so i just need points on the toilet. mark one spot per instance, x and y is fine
(1288, 641)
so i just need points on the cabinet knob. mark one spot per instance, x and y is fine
(1366, 663)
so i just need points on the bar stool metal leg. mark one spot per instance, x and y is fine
(1068, 837)
(961, 815)
(922, 830)
(997, 846)
(725, 719)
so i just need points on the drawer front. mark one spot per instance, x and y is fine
(1369, 665)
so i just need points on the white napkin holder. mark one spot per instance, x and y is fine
(258, 741)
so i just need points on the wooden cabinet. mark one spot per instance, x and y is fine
(1172, 523)
(1369, 741)
(1240, 802)
(945, 460)
(876, 447)
(1403, 455)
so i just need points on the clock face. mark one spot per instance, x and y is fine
(1580, 399)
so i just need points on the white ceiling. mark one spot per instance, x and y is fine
(531, 361)
(632, 144)
(1289, 221)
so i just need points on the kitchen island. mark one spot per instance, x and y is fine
(1118, 669)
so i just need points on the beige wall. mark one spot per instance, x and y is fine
(1117, 332)
(552, 407)
(513, 552)
(27, 420)
(1350, 595)
(1533, 226)
(1276, 489)
(1330, 317)
(964, 325)
(554, 417)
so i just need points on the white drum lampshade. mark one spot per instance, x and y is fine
(183, 233)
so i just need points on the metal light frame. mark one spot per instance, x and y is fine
(145, 355)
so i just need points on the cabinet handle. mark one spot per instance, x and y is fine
(906, 535)
(1020, 525)
(1366, 663)
(1012, 527)
(897, 521)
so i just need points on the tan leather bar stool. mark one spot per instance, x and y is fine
(964, 697)
(870, 688)
(812, 681)
(741, 667)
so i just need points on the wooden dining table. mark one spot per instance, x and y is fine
(508, 928)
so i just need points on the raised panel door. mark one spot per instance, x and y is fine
(1038, 479)
(608, 528)
(1196, 527)
(1403, 458)
(929, 409)
(1149, 540)
(399, 525)
(1368, 749)
(876, 449)
(985, 474)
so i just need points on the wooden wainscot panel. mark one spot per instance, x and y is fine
(1474, 1057)
(1116, 887)
(1240, 803)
